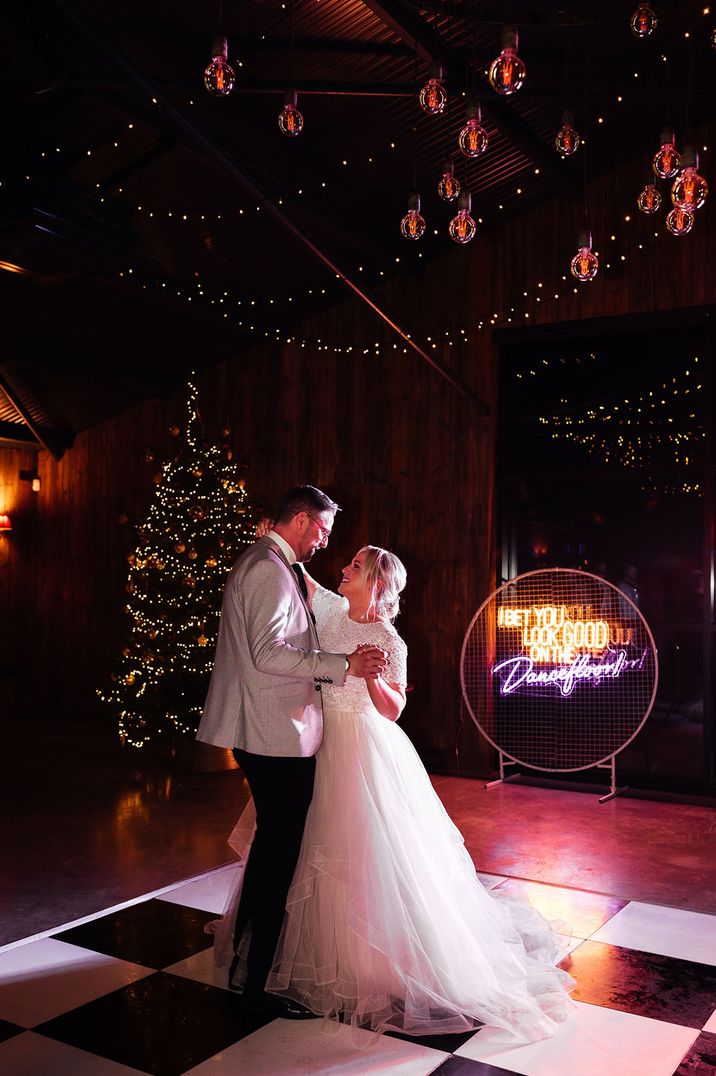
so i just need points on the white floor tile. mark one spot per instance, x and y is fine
(303, 1048)
(667, 931)
(491, 880)
(208, 893)
(594, 1042)
(710, 1024)
(43, 979)
(34, 1055)
(201, 968)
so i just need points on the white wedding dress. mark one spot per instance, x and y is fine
(386, 920)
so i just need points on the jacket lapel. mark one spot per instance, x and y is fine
(280, 554)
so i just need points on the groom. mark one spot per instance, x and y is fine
(264, 702)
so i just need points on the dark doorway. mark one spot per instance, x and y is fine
(605, 461)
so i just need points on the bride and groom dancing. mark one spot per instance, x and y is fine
(358, 897)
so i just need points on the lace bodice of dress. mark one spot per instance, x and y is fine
(339, 634)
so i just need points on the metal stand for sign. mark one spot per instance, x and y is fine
(610, 764)
(505, 760)
(549, 630)
(613, 790)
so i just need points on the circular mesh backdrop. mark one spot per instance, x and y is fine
(559, 669)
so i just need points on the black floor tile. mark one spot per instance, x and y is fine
(162, 1025)
(448, 1043)
(154, 933)
(8, 1030)
(701, 1058)
(660, 987)
(464, 1066)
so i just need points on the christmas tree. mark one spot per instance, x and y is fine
(198, 524)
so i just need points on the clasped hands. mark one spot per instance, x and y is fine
(367, 661)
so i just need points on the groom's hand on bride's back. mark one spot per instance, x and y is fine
(367, 662)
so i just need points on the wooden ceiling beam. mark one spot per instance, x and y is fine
(52, 440)
(432, 48)
(170, 118)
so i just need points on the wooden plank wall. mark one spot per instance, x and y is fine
(408, 459)
(16, 568)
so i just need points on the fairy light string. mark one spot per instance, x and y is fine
(662, 421)
(198, 523)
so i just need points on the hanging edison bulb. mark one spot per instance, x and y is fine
(413, 225)
(473, 138)
(585, 263)
(679, 221)
(219, 77)
(644, 21)
(290, 120)
(449, 186)
(433, 96)
(649, 198)
(667, 159)
(568, 139)
(507, 72)
(462, 227)
(690, 190)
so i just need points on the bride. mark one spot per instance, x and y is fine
(387, 923)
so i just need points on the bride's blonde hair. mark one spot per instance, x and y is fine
(384, 576)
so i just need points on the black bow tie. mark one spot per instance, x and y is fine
(298, 572)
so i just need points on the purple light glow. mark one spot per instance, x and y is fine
(520, 672)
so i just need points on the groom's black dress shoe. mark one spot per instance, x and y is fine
(275, 1007)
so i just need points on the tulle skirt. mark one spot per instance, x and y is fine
(387, 922)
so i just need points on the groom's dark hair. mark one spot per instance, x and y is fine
(304, 499)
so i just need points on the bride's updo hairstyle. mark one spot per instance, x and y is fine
(384, 575)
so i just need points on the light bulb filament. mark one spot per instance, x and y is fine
(507, 70)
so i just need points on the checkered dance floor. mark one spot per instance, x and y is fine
(134, 990)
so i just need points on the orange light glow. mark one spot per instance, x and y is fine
(557, 634)
(10, 267)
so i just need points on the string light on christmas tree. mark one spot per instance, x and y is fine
(644, 21)
(290, 120)
(219, 77)
(679, 221)
(413, 224)
(690, 190)
(568, 139)
(449, 185)
(197, 525)
(473, 138)
(462, 227)
(507, 72)
(433, 96)
(667, 160)
(585, 263)
(649, 199)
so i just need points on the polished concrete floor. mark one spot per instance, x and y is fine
(89, 826)
(114, 864)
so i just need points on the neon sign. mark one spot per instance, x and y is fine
(518, 672)
(561, 646)
(558, 670)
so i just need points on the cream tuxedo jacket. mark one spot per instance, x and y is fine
(264, 694)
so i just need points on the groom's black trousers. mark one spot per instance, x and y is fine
(282, 789)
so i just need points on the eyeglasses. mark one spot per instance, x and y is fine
(324, 531)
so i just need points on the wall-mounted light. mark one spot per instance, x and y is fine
(32, 476)
(5, 524)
